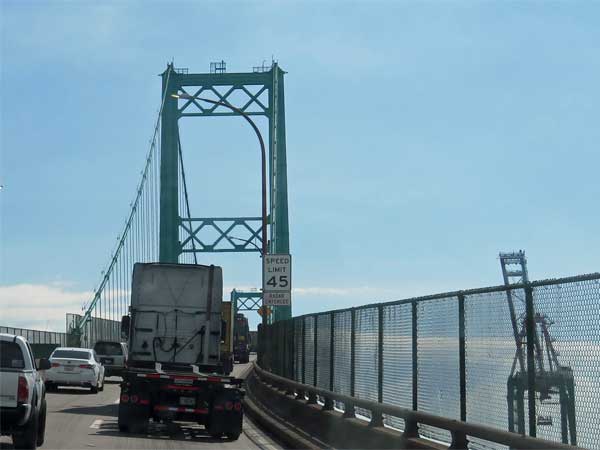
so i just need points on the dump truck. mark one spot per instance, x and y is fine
(174, 372)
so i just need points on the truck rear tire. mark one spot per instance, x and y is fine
(132, 419)
(139, 426)
(233, 435)
(123, 418)
(27, 439)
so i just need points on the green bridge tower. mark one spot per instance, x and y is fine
(179, 234)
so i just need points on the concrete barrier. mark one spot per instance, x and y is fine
(298, 424)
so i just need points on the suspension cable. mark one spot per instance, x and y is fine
(130, 221)
(185, 193)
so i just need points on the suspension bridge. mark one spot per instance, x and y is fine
(420, 372)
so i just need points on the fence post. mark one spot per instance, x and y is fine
(312, 397)
(315, 323)
(291, 349)
(415, 391)
(290, 330)
(462, 357)
(531, 335)
(303, 350)
(332, 351)
(328, 406)
(377, 417)
(299, 393)
(349, 409)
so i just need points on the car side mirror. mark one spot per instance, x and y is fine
(125, 324)
(44, 364)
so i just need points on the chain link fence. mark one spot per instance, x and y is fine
(95, 329)
(522, 358)
(37, 336)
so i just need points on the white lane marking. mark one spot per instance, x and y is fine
(96, 424)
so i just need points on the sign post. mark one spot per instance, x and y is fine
(277, 280)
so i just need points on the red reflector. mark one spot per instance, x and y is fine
(238, 406)
(23, 390)
(124, 398)
(214, 379)
(153, 375)
(144, 402)
(134, 399)
(228, 406)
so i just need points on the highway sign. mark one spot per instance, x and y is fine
(277, 273)
(277, 298)
(277, 280)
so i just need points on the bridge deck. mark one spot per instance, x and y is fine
(77, 419)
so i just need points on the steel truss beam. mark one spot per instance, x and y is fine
(226, 239)
(246, 301)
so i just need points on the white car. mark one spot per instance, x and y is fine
(75, 367)
(22, 393)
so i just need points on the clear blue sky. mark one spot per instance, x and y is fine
(423, 138)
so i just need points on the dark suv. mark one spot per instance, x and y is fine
(113, 356)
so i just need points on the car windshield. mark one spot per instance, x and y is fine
(11, 356)
(108, 348)
(71, 354)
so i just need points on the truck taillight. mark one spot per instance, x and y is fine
(55, 365)
(237, 406)
(124, 398)
(23, 390)
(134, 399)
(86, 366)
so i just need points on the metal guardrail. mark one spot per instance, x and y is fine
(460, 431)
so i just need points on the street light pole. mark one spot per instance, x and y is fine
(263, 151)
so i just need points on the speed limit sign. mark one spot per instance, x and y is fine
(277, 277)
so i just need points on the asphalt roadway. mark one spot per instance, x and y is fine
(77, 419)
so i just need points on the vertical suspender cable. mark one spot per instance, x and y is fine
(187, 200)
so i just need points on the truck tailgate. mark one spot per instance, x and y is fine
(9, 383)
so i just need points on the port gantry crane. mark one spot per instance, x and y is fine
(551, 378)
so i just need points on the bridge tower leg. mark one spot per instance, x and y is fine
(280, 233)
(169, 248)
